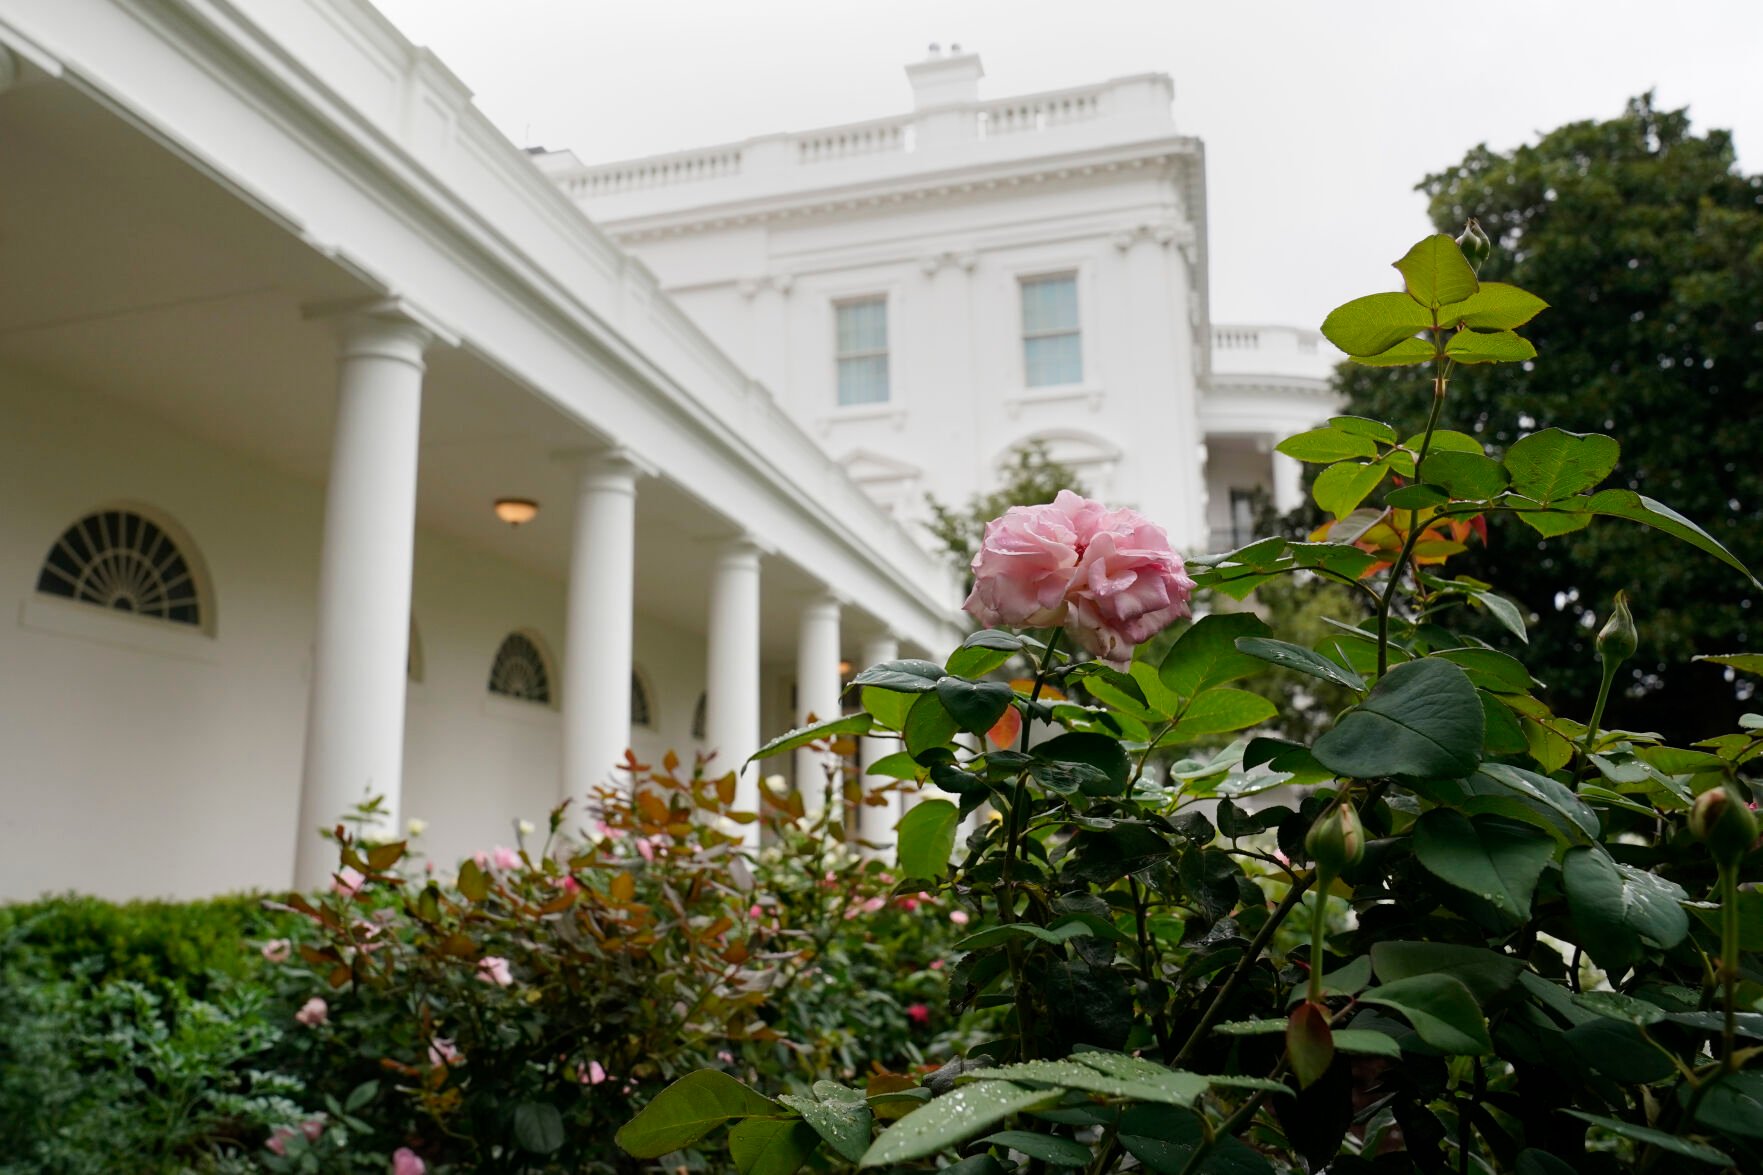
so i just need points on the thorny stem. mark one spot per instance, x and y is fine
(1440, 380)
(1007, 880)
(1258, 944)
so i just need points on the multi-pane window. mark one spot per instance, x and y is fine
(1242, 517)
(1052, 345)
(862, 340)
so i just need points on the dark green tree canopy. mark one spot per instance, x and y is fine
(1648, 242)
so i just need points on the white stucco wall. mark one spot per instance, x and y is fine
(141, 758)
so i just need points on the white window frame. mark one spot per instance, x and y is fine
(889, 319)
(1023, 281)
(1027, 267)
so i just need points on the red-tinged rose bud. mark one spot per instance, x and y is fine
(1725, 823)
(1617, 639)
(1309, 1042)
(1475, 244)
(1336, 842)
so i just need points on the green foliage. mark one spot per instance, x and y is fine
(1648, 242)
(1031, 478)
(1172, 950)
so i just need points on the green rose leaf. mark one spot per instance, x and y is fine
(1535, 799)
(1206, 654)
(1111, 1074)
(1473, 346)
(1735, 1106)
(1324, 446)
(1375, 323)
(1639, 508)
(1620, 910)
(976, 706)
(928, 724)
(1367, 1042)
(1222, 709)
(1495, 306)
(1420, 496)
(815, 732)
(687, 1110)
(898, 765)
(908, 676)
(1441, 1009)
(538, 1127)
(840, 1116)
(889, 707)
(1743, 662)
(1491, 670)
(1436, 272)
(1361, 426)
(1301, 660)
(1407, 353)
(949, 1120)
(1469, 476)
(1535, 1162)
(1667, 1142)
(1093, 750)
(1059, 1152)
(1422, 720)
(1498, 861)
(1489, 975)
(983, 652)
(927, 837)
(771, 1146)
(1553, 464)
(1341, 487)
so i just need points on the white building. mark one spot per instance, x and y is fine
(283, 316)
(925, 293)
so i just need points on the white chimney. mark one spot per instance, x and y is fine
(941, 80)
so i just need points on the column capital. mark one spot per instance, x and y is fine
(738, 549)
(822, 599)
(607, 466)
(365, 322)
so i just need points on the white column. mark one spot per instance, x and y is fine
(597, 654)
(876, 824)
(731, 714)
(355, 720)
(1288, 478)
(817, 693)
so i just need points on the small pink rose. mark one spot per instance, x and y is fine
(313, 1012)
(646, 848)
(278, 950)
(958, 917)
(442, 1052)
(596, 1073)
(874, 904)
(348, 881)
(754, 911)
(725, 1057)
(407, 1162)
(494, 969)
(278, 1140)
(936, 964)
(505, 858)
(918, 1013)
(312, 1128)
(569, 884)
(909, 904)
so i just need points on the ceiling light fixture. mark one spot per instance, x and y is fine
(516, 511)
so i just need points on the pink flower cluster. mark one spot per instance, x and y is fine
(312, 1128)
(1108, 576)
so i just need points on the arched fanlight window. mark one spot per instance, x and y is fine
(642, 702)
(120, 560)
(701, 718)
(521, 670)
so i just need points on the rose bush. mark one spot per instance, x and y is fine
(1457, 930)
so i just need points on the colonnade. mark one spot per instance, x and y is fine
(355, 719)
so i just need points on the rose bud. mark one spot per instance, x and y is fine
(1475, 244)
(1617, 639)
(1336, 842)
(1725, 823)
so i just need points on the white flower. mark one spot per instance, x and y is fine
(416, 827)
(526, 827)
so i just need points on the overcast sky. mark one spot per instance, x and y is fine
(1318, 117)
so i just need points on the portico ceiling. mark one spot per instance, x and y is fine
(127, 273)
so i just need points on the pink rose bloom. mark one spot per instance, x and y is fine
(494, 969)
(505, 858)
(918, 1013)
(278, 950)
(936, 964)
(1108, 576)
(909, 904)
(754, 911)
(874, 904)
(348, 881)
(278, 1140)
(442, 1052)
(312, 1128)
(958, 917)
(569, 884)
(593, 1073)
(406, 1162)
(313, 1012)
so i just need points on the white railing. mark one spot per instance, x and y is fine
(858, 139)
(1038, 112)
(659, 172)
